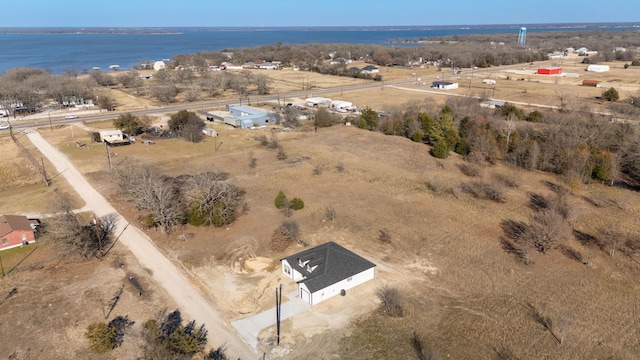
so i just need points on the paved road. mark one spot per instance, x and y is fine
(250, 327)
(190, 300)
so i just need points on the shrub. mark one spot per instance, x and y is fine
(390, 300)
(469, 170)
(101, 337)
(417, 136)
(534, 116)
(296, 204)
(281, 200)
(330, 213)
(324, 118)
(281, 154)
(284, 235)
(462, 147)
(611, 94)
(195, 216)
(384, 235)
(440, 150)
(484, 190)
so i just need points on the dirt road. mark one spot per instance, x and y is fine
(192, 303)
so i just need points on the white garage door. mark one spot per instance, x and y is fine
(306, 297)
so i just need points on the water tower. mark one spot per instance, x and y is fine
(522, 36)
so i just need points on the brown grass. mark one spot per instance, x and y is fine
(464, 295)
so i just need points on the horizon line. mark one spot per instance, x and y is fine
(315, 26)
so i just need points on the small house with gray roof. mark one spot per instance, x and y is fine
(326, 270)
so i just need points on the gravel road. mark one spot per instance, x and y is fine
(191, 301)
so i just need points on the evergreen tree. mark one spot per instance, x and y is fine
(281, 200)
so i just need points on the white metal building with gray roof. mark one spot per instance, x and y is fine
(326, 270)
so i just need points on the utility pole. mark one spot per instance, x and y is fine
(106, 145)
(278, 312)
(50, 124)
(44, 172)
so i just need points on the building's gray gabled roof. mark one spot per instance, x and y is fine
(369, 68)
(441, 83)
(334, 264)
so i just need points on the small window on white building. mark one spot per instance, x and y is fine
(5, 241)
(287, 269)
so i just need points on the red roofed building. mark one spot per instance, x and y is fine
(16, 230)
(550, 71)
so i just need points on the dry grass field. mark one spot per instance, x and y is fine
(464, 296)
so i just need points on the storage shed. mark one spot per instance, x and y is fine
(597, 68)
(444, 85)
(550, 71)
(111, 136)
(326, 270)
(593, 83)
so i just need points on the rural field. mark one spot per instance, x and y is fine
(464, 293)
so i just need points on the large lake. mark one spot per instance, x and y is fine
(83, 49)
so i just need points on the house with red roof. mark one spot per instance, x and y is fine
(16, 230)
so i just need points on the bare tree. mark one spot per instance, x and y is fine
(213, 201)
(390, 300)
(286, 234)
(152, 192)
(330, 213)
(612, 237)
(86, 239)
(252, 160)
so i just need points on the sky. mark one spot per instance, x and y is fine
(255, 13)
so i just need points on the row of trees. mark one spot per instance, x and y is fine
(194, 84)
(581, 145)
(185, 124)
(25, 89)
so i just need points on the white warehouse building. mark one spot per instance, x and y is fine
(326, 270)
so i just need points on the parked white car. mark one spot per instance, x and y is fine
(71, 117)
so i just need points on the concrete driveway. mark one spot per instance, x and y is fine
(250, 327)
